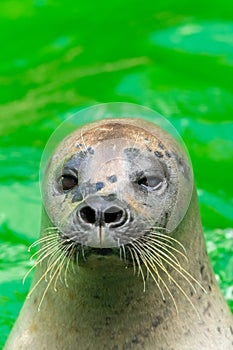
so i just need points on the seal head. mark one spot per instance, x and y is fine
(115, 180)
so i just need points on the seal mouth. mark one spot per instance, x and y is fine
(83, 252)
(101, 251)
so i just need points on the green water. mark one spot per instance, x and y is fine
(56, 57)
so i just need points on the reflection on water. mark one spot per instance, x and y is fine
(203, 37)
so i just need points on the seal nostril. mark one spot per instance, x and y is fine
(87, 214)
(113, 216)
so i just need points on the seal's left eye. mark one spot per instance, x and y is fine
(151, 182)
(68, 182)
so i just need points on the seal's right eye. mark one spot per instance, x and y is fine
(68, 182)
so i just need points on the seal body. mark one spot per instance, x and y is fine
(122, 262)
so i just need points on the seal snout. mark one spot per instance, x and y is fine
(102, 220)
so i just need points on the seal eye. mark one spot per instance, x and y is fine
(68, 182)
(151, 183)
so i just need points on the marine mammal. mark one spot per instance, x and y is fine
(119, 197)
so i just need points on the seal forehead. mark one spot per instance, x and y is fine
(87, 138)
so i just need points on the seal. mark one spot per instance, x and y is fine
(122, 262)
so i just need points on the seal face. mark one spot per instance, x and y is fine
(116, 180)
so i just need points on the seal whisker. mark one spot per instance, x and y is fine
(133, 260)
(50, 229)
(148, 270)
(46, 250)
(61, 265)
(146, 262)
(39, 260)
(140, 271)
(183, 272)
(38, 281)
(170, 262)
(167, 238)
(77, 257)
(142, 259)
(86, 149)
(39, 242)
(54, 258)
(50, 266)
(154, 258)
(120, 252)
(156, 246)
(66, 269)
(165, 246)
(50, 253)
(58, 273)
(136, 139)
(179, 268)
(50, 281)
(83, 253)
(69, 257)
(44, 254)
(146, 256)
(43, 248)
(80, 142)
(42, 240)
(147, 259)
(156, 229)
(123, 250)
(70, 238)
(154, 268)
(160, 228)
